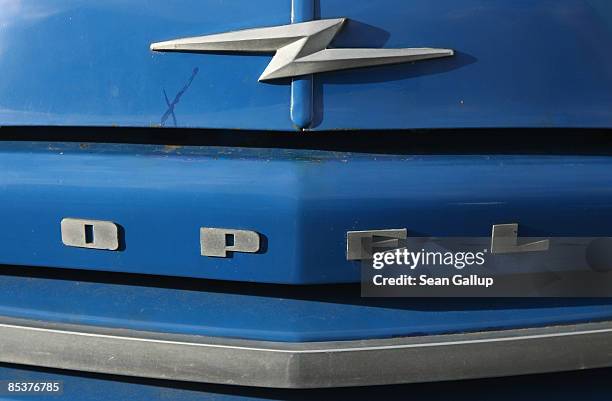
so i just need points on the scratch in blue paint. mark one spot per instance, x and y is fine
(177, 98)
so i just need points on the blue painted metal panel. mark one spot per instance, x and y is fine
(274, 314)
(519, 63)
(70, 62)
(302, 202)
(592, 385)
(301, 88)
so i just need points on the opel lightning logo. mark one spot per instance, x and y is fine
(300, 49)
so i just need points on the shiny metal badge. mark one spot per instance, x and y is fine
(300, 49)
(359, 244)
(92, 234)
(217, 242)
(504, 239)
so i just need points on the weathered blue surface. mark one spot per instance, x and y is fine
(271, 313)
(519, 63)
(69, 62)
(302, 203)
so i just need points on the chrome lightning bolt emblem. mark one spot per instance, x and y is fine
(300, 49)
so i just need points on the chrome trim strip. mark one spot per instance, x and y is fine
(306, 365)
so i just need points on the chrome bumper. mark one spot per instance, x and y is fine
(310, 364)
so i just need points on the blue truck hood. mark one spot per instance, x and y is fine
(516, 64)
